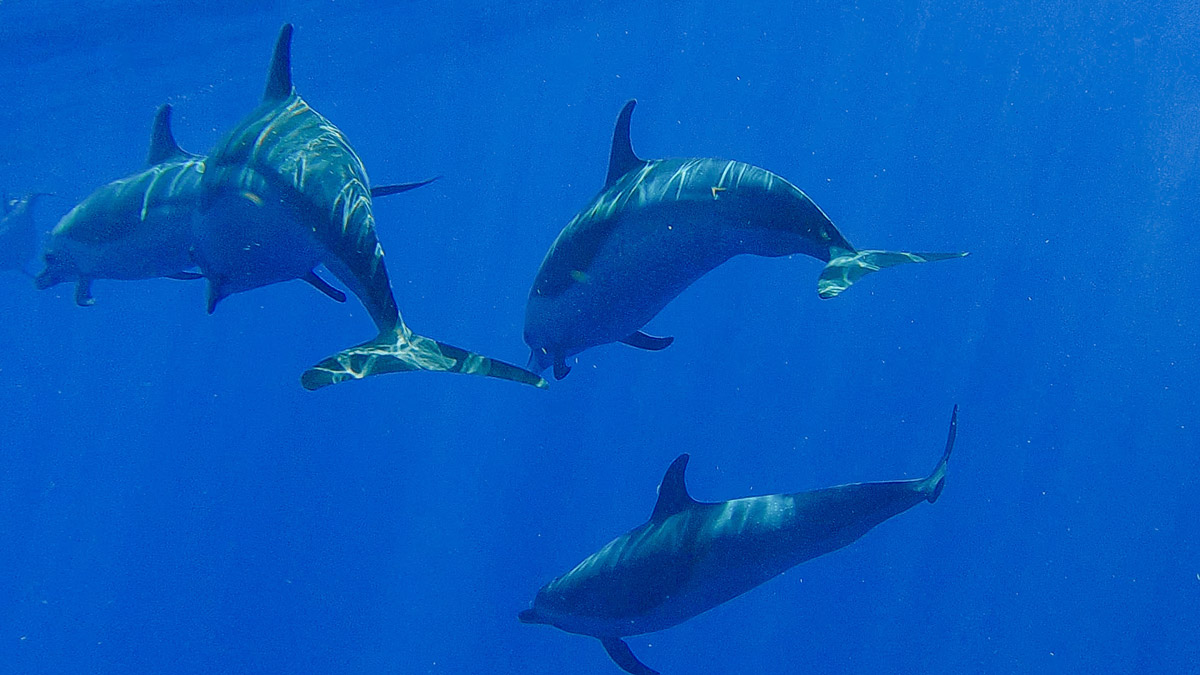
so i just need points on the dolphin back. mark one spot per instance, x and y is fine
(295, 151)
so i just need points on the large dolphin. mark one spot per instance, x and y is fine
(140, 227)
(659, 225)
(692, 556)
(284, 193)
(18, 232)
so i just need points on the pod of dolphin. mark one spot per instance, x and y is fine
(284, 193)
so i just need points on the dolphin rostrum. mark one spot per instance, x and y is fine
(140, 227)
(284, 193)
(18, 232)
(692, 556)
(659, 225)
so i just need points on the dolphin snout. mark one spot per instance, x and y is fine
(46, 278)
(58, 269)
(539, 360)
(530, 616)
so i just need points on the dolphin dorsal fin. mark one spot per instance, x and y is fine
(279, 79)
(162, 141)
(673, 496)
(622, 160)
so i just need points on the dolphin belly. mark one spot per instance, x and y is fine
(251, 233)
(651, 256)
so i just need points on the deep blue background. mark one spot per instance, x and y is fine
(172, 501)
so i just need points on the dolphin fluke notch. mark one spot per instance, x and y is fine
(844, 270)
(623, 656)
(937, 479)
(279, 79)
(400, 351)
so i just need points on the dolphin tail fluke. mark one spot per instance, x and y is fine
(843, 270)
(400, 351)
(937, 480)
(623, 656)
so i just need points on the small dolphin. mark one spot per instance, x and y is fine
(284, 193)
(659, 225)
(140, 227)
(18, 233)
(692, 556)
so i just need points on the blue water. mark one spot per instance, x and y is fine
(172, 501)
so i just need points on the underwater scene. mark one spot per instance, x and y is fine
(531, 337)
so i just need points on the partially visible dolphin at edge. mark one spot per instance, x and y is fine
(140, 226)
(285, 192)
(692, 556)
(659, 225)
(18, 232)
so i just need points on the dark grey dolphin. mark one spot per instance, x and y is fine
(692, 556)
(18, 233)
(284, 193)
(140, 227)
(659, 225)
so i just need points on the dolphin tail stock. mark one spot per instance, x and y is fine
(932, 486)
(623, 656)
(847, 267)
(399, 350)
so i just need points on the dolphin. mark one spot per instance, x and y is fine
(18, 233)
(659, 225)
(140, 227)
(284, 193)
(692, 556)
(137, 227)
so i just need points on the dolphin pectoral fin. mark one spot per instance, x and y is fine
(399, 351)
(623, 656)
(83, 293)
(937, 479)
(323, 286)
(561, 369)
(185, 276)
(844, 270)
(385, 190)
(648, 342)
(216, 293)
